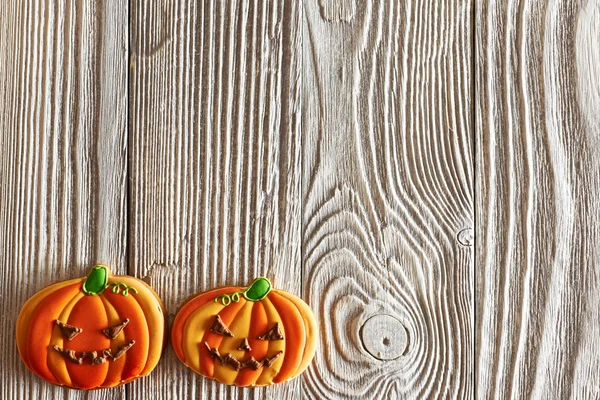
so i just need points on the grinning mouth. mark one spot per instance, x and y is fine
(249, 362)
(95, 359)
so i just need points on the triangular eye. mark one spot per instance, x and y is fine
(68, 331)
(272, 334)
(219, 327)
(113, 331)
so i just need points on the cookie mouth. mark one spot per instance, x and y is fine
(249, 362)
(95, 359)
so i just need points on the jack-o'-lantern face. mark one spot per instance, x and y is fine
(96, 357)
(219, 328)
(97, 332)
(246, 337)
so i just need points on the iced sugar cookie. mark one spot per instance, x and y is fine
(95, 332)
(247, 337)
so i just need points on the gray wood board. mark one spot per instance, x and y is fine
(215, 161)
(387, 188)
(63, 169)
(329, 145)
(538, 121)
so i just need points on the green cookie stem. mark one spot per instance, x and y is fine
(258, 290)
(96, 281)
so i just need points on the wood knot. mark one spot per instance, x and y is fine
(466, 237)
(384, 337)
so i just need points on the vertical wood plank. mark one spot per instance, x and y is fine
(215, 160)
(63, 153)
(538, 124)
(388, 197)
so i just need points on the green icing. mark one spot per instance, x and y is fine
(96, 281)
(258, 289)
(118, 285)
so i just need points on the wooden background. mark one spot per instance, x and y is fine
(425, 173)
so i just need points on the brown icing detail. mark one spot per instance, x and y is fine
(214, 352)
(68, 331)
(123, 349)
(70, 354)
(93, 355)
(219, 327)
(95, 360)
(273, 334)
(270, 361)
(231, 359)
(249, 362)
(254, 364)
(245, 345)
(114, 331)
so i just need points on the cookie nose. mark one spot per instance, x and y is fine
(245, 345)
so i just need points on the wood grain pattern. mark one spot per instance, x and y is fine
(327, 144)
(215, 160)
(387, 186)
(538, 119)
(63, 161)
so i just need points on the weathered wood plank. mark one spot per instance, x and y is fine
(538, 118)
(63, 155)
(387, 193)
(215, 160)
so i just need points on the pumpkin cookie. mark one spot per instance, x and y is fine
(90, 333)
(246, 337)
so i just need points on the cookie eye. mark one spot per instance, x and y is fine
(113, 331)
(68, 331)
(272, 334)
(219, 327)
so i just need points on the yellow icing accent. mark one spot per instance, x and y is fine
(240, 327)
(310, 324)
(154, 311)
(269, 373)
(114, 319)
(29, 308)
(56, 361)
(194, 329)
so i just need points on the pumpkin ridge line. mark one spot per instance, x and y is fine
(268, 304)
(233, 317)
(282, 299)
(57, 370)
(106, 304)
(186, 325)
(185, 311)
(43, 304)
(288, 297)
(144, 323)
(28, 309)
(137, 300)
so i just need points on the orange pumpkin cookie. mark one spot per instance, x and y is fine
(245, 337)
(90, 333)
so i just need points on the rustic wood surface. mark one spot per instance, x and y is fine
(214, 161)
(387, 185)
(63, 149)
(538, 219)
(423, 173)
